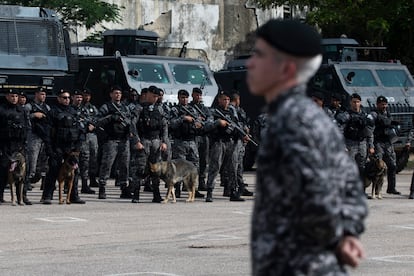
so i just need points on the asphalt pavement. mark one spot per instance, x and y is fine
(116, 237)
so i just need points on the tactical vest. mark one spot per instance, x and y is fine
(119, 127)
(14, 129)
(187, 130)
(228, 132)
(383, 125)
(355, 128)
(68, 130)
(150, 121)
(39, 125)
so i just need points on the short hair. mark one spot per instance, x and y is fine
(116, 87)
(356, 96)
(197, 90)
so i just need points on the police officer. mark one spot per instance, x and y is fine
(116, 119)
(14, 124)
(185, 125)
(240, 143)
(152, 130)
(310, 206)
(67, 132)
(384, 133)
(166, 155)
(202, 138)
(358, 132)
(82, 113)
(223, 139)
(38, 110)
(92, 145)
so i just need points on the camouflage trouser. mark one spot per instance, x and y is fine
(203, 152)
(224, 154)
(358, 151)
(150, 153)
(241, 149)
(386, 152)
(186, 150)
(34, 148)
(112, 149)
(166, 155)
(88, 158)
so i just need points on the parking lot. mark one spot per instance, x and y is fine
(115, 237)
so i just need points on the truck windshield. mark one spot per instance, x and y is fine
(29, 44)
(394, 78)
(148, 72)
(189, 74)
(358, 77)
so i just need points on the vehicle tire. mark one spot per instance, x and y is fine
(402, 159)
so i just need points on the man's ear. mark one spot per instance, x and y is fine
(289, 69)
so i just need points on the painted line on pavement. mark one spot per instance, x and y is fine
(61, 219)
(395, 259)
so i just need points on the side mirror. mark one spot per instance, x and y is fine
(133, 73)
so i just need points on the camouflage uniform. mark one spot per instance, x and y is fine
(91, 143)
(358, 132)
(223, 151)
(135, 109)
(152, 130)
(66, 135)
(308, 193)
(203, 145)
(383, 145)
(14, 125)
(116, 120)
(36, 137)
(166, 155)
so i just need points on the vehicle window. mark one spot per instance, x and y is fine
(358, 77)
(189, 74)
(148, 72)
(394, 78)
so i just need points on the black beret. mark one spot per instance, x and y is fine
(144, 90)
(22, 93)
(154, 90)
(337, 96)
(382, 99)
(87, 91)
(77, 92)
(319, 95)
(197, 90)
(183, 92)
(12, 91)
(61, 91)
(116, 87)
(356, 96)
(225, 93)
(292, 37)
(41, 89)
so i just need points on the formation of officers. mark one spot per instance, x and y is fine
(123, 136)
(367, 134)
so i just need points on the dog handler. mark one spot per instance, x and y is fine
(310, 206)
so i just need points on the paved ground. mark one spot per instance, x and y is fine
(115, 237)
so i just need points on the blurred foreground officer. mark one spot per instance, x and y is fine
(65, 136)
(14, 124)
(310, 204)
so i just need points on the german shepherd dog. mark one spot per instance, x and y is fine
(67, 174)
(375, 171)
(16, 176)
(175, 171)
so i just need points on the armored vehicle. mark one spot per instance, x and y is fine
(32, 50)
(343, 74)
(130, 61)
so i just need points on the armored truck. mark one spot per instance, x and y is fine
(343, 74)
(32, 50)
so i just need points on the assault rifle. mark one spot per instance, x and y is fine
(234, 125)
(192, 114)
(200, 111)
(124, 120)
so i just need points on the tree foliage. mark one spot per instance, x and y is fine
(88, 13)
(374, 23)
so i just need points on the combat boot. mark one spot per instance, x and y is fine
(209, 197)
(125, 192)
(177, 190)
(85, 188)
(202, 185)
(198, 195)
(93, 182)
(135, 197)
(102, 194)
(156, 195)
(411, 196)
(235, 196)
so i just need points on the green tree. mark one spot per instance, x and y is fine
(88, 13)
(374, 23)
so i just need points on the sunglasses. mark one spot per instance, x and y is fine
(65, 98)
